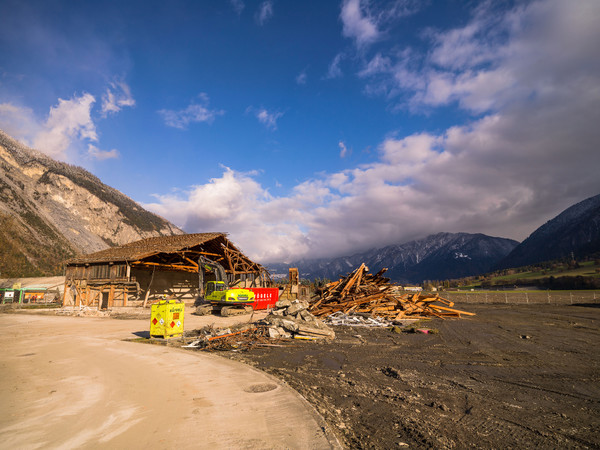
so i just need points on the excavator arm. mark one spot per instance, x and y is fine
(206, 264)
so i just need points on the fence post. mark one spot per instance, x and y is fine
(505, 297)
(526, 298)
(486, 297)
(571, 294)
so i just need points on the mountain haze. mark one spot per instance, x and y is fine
(576, 230)
(51, 211)
(437, 257)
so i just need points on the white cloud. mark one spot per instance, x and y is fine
(195, 112)
(365, 22)
(117, 96)
(100, 155)
(238, 6)
(494, 60)
(267, 118)
(334, 70)
(530, 152)
(68, 133)
(69, 120)
(236, 203)
(265, 12)
(343, 149)
(358, 25)
(19, 122)
(301, 78)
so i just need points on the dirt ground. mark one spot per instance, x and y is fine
(512, 377)
(75, 382)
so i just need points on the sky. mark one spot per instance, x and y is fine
(315, 128)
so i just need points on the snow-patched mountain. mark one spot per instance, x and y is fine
(576, 230)
(437, 257)
(51, 211)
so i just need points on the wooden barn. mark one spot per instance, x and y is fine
(138, 273)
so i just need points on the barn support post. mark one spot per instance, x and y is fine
(111, 296)
(64, 302)
(148, 290)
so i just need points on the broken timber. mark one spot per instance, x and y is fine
(363, 293)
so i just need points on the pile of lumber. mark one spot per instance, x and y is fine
(364, 293)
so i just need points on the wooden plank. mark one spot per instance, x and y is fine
(111, 296)
(351, 281)
(443, 308)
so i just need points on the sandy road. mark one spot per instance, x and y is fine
(73, 383)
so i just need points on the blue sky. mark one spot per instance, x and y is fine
(315, 128)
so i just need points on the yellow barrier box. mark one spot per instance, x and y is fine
(166, 318)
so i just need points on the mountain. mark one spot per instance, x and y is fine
(576, 230)
(438, 257)
(51, 211)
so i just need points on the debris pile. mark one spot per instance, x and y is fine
(358, 320)
(240, 338)
(364, 293)
(288, 320)
(291, 319)
(82, 311)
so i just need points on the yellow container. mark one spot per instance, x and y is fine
(166, 318)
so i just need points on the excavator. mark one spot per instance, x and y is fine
(217, 295)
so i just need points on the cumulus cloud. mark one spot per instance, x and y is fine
(193, 113)
(100, 155)
(236, 203)
(267, 118)
(117, 96)
(265, 12)
(69, 120)
(358, 25)
(494, 60)
(529, 151)
(68, 133)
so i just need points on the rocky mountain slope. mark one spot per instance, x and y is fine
(437, 257)
(576, 230)
(51, 211)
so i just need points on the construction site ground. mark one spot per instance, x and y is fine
(77, 382)
(513, 376)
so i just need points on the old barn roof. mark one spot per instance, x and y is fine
(210, 242)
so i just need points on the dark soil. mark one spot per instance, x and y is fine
(511, 377)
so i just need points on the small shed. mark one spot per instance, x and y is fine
(143, 271)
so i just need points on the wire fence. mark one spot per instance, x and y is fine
(524, 297)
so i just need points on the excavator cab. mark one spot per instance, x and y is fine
(214, 286)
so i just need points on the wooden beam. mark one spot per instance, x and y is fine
(173, 267)
(111, 296)
(64, 302)
(195, 264)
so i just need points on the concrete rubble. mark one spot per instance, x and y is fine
(291, 319)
